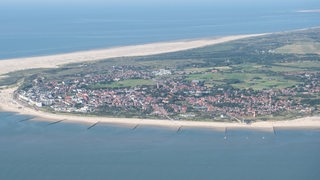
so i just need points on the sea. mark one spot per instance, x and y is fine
(32, 30)
(38, 150)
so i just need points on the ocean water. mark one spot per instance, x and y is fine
(39, 151)
(42, 30)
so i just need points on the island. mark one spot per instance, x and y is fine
(266, 78)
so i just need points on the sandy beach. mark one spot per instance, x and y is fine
(53, 61)
(7, 103)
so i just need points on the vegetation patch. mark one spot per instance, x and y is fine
(300, 48)
(124, 83)
(254, 78)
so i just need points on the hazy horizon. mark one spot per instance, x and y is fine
(181, 3)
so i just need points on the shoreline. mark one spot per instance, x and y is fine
(8, 104)
(54, 61)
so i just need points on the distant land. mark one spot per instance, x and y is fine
(237, 79)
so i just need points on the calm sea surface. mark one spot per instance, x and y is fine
(38, 151)
(32, 31)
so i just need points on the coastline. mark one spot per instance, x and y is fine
(7, 103)
(53, 61)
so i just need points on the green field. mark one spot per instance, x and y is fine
(200, 70)
(124, 83)
(251, 66)
(257, 63)
(302, 64)
(257, 81)
(300, 48)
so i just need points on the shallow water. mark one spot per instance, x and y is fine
(35, 150)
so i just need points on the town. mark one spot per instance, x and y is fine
(133, 91)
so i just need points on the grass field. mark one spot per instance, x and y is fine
(300, 48)
(268, 62)
(198, 69)
(297, 66)
(302, 64)
(257, 81)
(125, 83)
(240, 63)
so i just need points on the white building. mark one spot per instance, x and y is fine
(162, 72)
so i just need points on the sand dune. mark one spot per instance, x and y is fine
(52, 61)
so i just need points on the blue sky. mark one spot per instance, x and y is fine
(161, 4)
(119, 2)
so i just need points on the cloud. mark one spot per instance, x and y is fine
(309, 11)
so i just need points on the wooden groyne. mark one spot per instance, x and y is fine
(274, 131)
(93, 125)
(225, 132)
(135, 127)
(26, 119)
(56, 122)
(179, 129)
